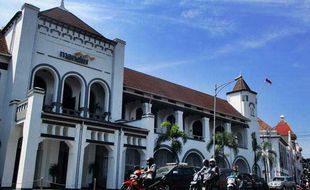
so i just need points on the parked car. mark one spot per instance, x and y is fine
(282, 182)
(176, 176)
(247, 178)
(258, 183)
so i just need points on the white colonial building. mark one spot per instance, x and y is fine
(288, 152)
(69, 108)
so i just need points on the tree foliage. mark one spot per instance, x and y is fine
(174, 135)
(267, 155)
(222, 140)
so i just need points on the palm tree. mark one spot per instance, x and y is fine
(222, 140)
(254, 147)
(266, 153)
(173, 135)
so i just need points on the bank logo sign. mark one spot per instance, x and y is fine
(77, 57)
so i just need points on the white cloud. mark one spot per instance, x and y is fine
(191, 13)
(238, 46)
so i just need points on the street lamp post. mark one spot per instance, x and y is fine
(217, 90)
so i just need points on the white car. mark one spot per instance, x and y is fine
(282, 182)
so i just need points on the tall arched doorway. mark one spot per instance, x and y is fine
(133, 159)
(96, 160)
(163, 156)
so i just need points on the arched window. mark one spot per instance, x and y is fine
(197, 130)
(45, 79)
(252, 109)
(139, 113)
(97, 101)
(194, 159)
(71, 100)
(240, 140)
(171, 119)
(162, 157)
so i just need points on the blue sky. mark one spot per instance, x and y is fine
(198, 43)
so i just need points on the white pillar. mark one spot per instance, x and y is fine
(147, 108)
(10, 149)
(206, 128)
(31, 139)
(119, 161)
(113, 163)
(228, 127)
(179, 119)
(81, 156)
(76, 158)
(117, 80)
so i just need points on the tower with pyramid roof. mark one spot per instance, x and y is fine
(243, 99)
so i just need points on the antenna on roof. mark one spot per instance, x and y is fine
(62, 5)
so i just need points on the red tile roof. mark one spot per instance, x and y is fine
(70, 19)
(283, 128)
(241, 85)
(156, 86)
(3, 45)
(263, 125)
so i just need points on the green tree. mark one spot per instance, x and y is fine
(173, 135)
(254, 148)
(267, 155)
(222, 140)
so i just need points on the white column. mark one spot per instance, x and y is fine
(76, 158)
(119, 162)
(147, 108)
(31, 139)
(11, 148)
(81, 157)
(117, 80)
(179, 119)
(206, 128)
(228, 127)
(114, 163)
(72, 162)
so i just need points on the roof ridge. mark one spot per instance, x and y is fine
(52, 14)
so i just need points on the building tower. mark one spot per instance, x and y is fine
(243, 99)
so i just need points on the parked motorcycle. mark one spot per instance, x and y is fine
(197, 182)
(232, 183)
(209, 179)
(135, 181)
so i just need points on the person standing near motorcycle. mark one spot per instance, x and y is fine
(205, 164)
(150, 171)
(235, 173)
(213, 178)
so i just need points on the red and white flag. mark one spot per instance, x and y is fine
(268, 81)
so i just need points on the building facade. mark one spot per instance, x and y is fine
(288, 159)
(71, 111)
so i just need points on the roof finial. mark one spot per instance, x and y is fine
(62, 5)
